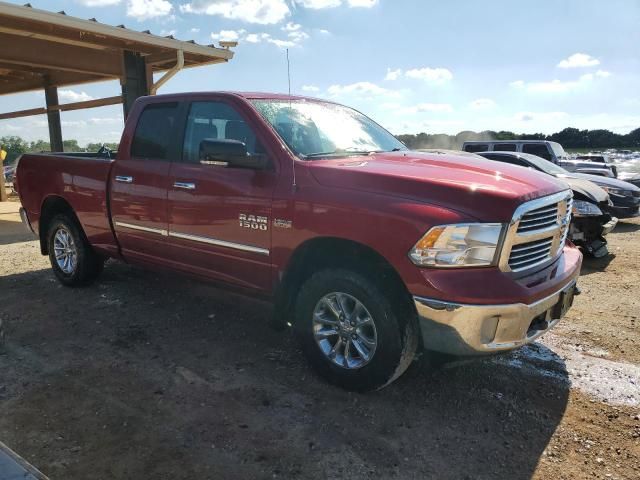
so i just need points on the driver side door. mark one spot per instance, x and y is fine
(220, 216)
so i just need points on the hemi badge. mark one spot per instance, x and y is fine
(280, 223)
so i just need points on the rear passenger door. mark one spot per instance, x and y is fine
(139, 184)
(220, 216)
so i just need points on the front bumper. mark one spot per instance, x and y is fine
(610, 225)
(464, 329)
(625, 211)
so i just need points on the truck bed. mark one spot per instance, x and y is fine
(79, 179)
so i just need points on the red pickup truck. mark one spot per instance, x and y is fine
(368, 250)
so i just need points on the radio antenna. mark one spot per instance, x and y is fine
(289, 77)
(293, 160)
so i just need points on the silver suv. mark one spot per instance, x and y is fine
(551, 151)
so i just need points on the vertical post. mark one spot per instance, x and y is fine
(134, 79)
(53, 118)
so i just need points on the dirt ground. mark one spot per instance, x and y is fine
(147, 376)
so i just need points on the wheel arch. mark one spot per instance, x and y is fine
(334, 252)
(53, 205)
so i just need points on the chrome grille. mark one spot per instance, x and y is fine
(539, 218)
(537, 232)
(531, 253)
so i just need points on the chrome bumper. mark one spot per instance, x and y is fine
(462, 329)
(610, 225)
(25, 220)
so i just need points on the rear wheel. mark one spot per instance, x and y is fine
(72, 258)
(353, 334)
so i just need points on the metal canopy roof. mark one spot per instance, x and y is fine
(40, 48)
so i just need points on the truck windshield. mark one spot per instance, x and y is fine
(558, 151)
(320, 130)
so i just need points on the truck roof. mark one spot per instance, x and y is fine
(246, 95)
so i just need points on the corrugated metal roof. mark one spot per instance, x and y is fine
(37, 44)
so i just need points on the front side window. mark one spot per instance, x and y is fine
(317, 129)
(155, 131)
(215, 121)
(537, 149)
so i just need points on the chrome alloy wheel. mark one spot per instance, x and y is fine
(344, 330)
(65, 251)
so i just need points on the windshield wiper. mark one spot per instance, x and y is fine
(338, 153)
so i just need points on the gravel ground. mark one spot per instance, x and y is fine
(142, 376)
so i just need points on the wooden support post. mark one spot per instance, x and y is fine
(134, 80)
(53, 118)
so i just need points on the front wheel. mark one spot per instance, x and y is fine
(73, 260)
(352, 333)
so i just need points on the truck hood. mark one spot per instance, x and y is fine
(585, 188)
(480, 188)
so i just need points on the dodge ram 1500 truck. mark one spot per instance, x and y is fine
(370, 251)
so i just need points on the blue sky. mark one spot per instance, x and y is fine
(412, 65)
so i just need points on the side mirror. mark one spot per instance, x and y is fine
(229, 153)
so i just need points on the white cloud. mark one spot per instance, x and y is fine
(70, 96)
(144, 9)
(539, 116)
(324, 31)
(319, 4)
(99, 3)
(195, 30)
(295, 36)
(291, 27)
(579, 60)
(362, 3)
(393, 74)
(430, 75)
(310, 88)
(364, 89)
(481, 103)
(429, 107)
(106, 121)
(559, 86)
(73, 123)
(263, 12)
(227, 35)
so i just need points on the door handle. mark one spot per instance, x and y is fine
(124, 179)
(185, 185)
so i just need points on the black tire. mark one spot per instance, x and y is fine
(395, 324)
(88, 265)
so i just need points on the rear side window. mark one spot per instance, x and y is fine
(537, 149)
(155, 131)
(505, 147)
(476, 147)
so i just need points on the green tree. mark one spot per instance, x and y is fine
(39, 146)
(14, 146)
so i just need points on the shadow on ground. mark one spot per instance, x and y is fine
(626, 227)
(596, 265)
(13, 232)
(144, 376)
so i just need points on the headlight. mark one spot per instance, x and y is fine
(584, 209)
(615, 191)
(460, 245)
